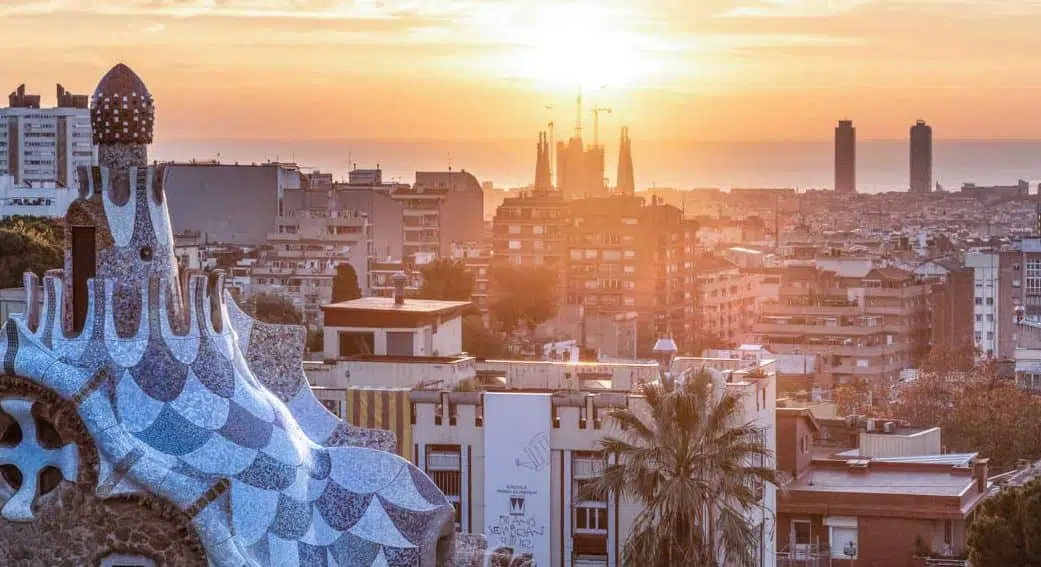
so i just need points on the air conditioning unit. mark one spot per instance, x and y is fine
(889, 427)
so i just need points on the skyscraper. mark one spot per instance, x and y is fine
(921, 157)
(845, 157)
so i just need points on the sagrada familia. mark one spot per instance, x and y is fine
(146, 420)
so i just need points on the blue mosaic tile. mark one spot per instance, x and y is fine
(246, 429)
(220, 456)
(252, 511)
(353, 551)
(292, 518)
(258, 552)
(269, 474)
(401, 557)
(341, 508)
(320, 463)
(426, 487)
(173, 435)
(159, 374)
(313, 556)
(410, 523)
(214, 370)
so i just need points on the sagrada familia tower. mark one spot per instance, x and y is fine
(146, 420)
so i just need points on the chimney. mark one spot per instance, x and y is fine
(980, 471)
(398, 280)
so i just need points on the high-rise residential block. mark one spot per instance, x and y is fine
(921, 157)
(845, 157)
(44, 146)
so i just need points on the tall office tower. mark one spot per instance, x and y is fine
(41, 146)
(845, 157)
(626, 185)
(921, 157)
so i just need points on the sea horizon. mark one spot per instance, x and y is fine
(882, 164)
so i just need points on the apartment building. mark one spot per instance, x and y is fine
(628, 256)
(44, 146)
(864, 323)
(202, 193)
(726, 300)
(1007, 288)
(514, 461)
(477, 258)
(891, 497)
(304, 252)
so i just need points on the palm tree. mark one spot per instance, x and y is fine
(694, 470)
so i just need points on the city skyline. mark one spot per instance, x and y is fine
(323, 69)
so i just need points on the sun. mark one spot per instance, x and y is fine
(579, 44)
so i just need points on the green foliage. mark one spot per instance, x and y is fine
(274, 309)
(523, 298)
(479, 340)
(345, 283)
(446, 279)
(40, 228)
(28, 251)
(693, 469)
(1007, 528)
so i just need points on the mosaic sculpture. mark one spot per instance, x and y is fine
(190, 400)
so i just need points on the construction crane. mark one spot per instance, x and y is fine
(596, 122)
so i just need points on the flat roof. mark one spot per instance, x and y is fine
(885, 480)
(386, 304)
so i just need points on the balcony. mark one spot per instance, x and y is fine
(815, 330)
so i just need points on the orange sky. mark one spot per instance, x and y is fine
(693, 69)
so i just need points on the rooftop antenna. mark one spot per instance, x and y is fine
(449, 162)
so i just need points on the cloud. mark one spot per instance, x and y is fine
(155, 28)
(793, 8)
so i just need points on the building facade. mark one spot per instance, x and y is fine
(304, 251)
(727, 300)
(628, 256)
(40, 146)
(864, 323)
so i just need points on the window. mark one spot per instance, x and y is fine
(990, 335)
(842, 536)
(515, 244)
(400, 343)
(445, 468)
(538, 229)
(990, 317)
(355, 343)
(979, 301)
(513, 229)
(990, 301)
(862, 363)
(979, 317)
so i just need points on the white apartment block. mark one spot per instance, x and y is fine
(43, 147)
(986, 267)
(40, 200)
(514, 461)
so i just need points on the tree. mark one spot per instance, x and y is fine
(523, 298)
(695, 471)
(345, 283)
(276, 309)
(977, 411)
(446, 279)
(22, 252)
(1007, 528)
(479, 340)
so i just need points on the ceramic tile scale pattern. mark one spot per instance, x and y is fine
(190, 400)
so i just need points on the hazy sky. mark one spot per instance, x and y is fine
(695, 69)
